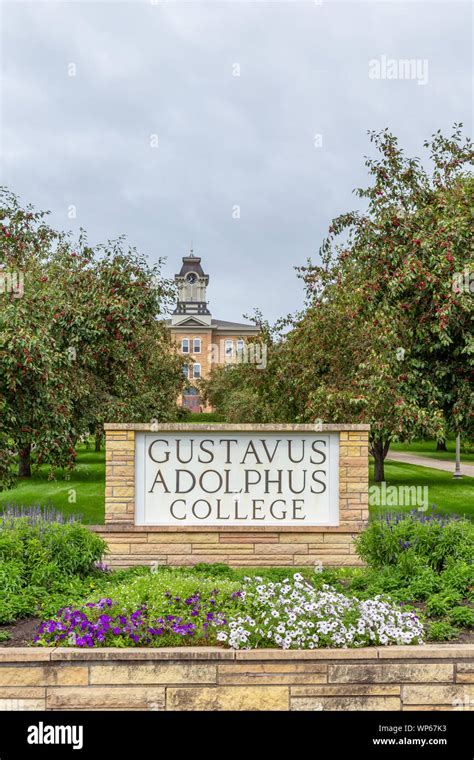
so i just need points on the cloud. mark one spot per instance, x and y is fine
(168, 69)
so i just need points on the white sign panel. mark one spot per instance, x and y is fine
(216, 478)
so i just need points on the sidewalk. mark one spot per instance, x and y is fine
(435, 464)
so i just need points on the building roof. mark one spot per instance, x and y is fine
(191, 263)
(224, 325)
(218, 324)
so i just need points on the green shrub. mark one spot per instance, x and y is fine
(404, 540)
(11, 576)
(424, 583)
(214, 570)
(442, 631)
(463, 616)
(438, 605)
(41, 545)
(458, 576)
(39, 555)
(18, 605)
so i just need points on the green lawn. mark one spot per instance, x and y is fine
(428, 449)
(86, 482)
(449, 494)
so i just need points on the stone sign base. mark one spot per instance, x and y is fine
(260, 547)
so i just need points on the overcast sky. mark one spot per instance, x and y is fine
(234, 95)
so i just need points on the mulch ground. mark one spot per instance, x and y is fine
(21, 633)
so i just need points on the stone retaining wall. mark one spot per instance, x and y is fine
(199, 678)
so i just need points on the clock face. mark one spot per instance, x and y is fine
(191, 278)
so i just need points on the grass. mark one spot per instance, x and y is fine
(428, 449)
(450, 495)
(86, 483)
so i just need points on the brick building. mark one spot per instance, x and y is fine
(207, 341)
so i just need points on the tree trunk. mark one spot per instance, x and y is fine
(379, 452)
(98, 439)
(441, 446)
(24, 466)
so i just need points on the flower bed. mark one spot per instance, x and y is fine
(419, 571)
(291, 614)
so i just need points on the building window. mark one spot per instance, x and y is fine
(240, 347)
(229, 349)
(186, 371)
(185, 346)
(196, 371)
(197, 345)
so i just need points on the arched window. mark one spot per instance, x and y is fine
(185, 345)
(196, 370)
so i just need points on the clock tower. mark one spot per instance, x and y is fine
(192, 283)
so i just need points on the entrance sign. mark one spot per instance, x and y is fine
(247, 495)
(223, 478)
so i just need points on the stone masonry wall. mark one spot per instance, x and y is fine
(254, 546)
(290, 547)
(199, 678)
